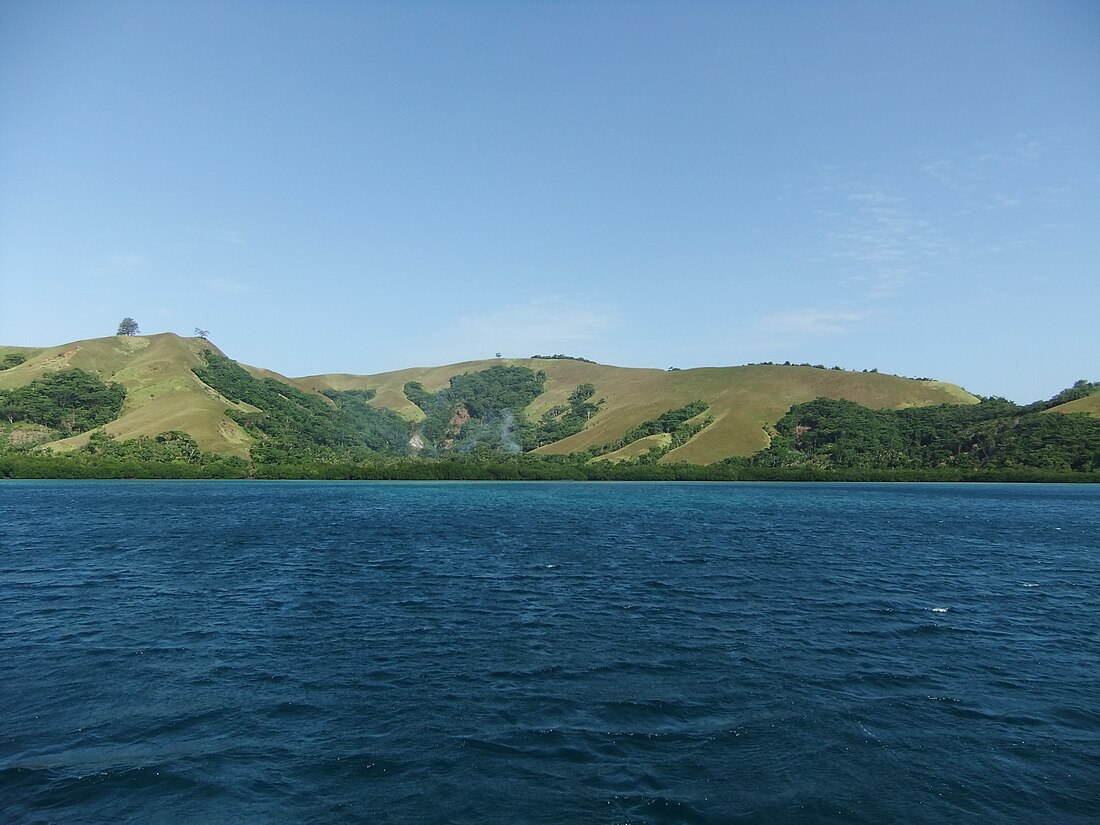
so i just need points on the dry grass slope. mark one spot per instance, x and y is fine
(162, 392)
(636, 448)
(744, 400)
(1089, 404)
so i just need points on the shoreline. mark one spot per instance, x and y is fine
(58, 467)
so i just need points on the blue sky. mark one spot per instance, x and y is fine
(358, 187)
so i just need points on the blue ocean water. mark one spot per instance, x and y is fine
(548, 653)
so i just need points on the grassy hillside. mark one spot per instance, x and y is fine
(743, 400)
(24, 352)
(162, 392)
(1089, 404)
(637, 449)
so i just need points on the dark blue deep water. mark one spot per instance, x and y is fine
(245, 652)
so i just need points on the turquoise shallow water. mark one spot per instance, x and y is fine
(548, 653)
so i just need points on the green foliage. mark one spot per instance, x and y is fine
(293, 424)
(478, 421)
(674, 422)
(416, 393)
(1080, 389)
(1048, 442)
(582, 393)
(11, 359)
(127, 326)
(172, 446)
(560, 357)
(69, 401)
(563, 421)
(497, 388)
(83, 465)
(169, 455)
(668, 422)
(850, 435)
(477, 411)
(380, 429)
(995, 434)
(814, 366)
(121, 464)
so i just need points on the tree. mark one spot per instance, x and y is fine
(201, 333)
(12, 359)
(127, 326)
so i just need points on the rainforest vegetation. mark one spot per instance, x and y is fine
(994, 434)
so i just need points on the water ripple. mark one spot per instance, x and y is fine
(548, 653)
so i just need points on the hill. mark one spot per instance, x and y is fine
(1089, 404)
(744, 401)
(162, 392)
(742, 404)
(167, 405)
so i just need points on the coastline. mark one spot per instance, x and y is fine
(61, 467)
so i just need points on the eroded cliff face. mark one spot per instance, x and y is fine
(458, 421)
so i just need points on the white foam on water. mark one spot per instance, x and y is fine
(871, 735)
(939, 609)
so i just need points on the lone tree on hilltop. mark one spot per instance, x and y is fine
(201, 333)
(127, 326)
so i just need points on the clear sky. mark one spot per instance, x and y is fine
(358, 187)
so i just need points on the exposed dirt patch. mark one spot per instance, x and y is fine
(132, 343)
(233, 432)
(28, 436)
(458, 421)
(62, 357)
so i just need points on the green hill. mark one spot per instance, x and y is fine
(162, 391)
(1089, 404)
(743, 401)
(742, 404)
(830, 434)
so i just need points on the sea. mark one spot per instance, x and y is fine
(360, 652)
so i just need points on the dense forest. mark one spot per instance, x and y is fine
(65, 402)
(476, 427)
(292, 425)
(994, 434)
(477, 411)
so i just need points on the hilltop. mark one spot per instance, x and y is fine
(172, 396)
(162, 392)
